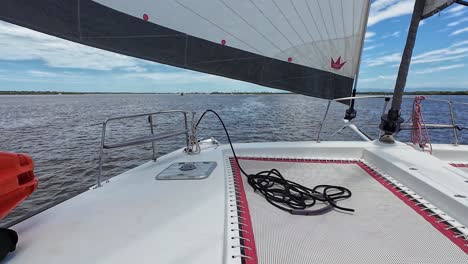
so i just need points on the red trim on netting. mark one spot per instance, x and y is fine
(145, 17)
(433, 220)
(459, 165)
(246, 225)
(300, 160)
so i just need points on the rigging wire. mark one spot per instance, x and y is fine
(287, 195)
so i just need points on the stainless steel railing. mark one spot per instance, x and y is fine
(453, 124)
(152, 138)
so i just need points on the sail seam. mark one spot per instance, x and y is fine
(277, 29)
(316, 26)
(78, 13)
(297, 33)
(219, 27)
(186, 49)
(135, 36)
(250, 25)
(333, 17)
(316, 50)
(226, 60)
(326, 28)
(287, 20)
(344, 29)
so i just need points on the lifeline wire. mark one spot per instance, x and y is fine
(288, 195)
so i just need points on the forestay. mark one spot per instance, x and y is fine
(310, 47)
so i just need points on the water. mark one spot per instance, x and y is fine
(59, 131)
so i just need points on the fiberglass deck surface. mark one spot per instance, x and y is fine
(383, 229)
(461, 166)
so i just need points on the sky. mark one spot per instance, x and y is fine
(31, 61)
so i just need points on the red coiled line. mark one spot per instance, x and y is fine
(419, 133)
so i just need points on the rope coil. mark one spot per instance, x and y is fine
(288, 195)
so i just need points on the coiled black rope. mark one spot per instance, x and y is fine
(287, 195)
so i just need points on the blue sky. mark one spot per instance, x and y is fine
(33, 61)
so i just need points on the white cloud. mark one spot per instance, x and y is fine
(454, 52)
(41, 76)
(438, 69)
(378, 5)
(395, 34)
(180, 77)
(385, 9)
(378, 61)
(448, 85)
(430, 62)
(459, 31)
(458, 22)
(457, 14)
(19, 43)
(42, 73)
(443, 29)
(379, 78)
(451, 53)
(370, 48)
(455, 9)
(135, 69)
(369, 34)
(460, 43)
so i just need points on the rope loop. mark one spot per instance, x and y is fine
(419, 133)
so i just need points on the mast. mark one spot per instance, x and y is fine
(390, 123)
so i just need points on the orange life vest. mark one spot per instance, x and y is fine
(17, 180)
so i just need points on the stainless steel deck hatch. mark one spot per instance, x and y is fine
(187, 171)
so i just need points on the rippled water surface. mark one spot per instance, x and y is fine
(60, 131)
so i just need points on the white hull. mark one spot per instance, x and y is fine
(134, 218)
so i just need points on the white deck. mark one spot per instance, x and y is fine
(136, 219)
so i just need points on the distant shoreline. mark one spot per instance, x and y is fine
(222, 93)
(82, 93)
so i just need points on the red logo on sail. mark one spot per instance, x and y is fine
(337, 65)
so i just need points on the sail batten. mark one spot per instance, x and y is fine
(307, 47)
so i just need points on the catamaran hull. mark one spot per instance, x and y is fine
(410, 206)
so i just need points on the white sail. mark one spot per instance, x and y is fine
(311, 47)
(311, 33)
